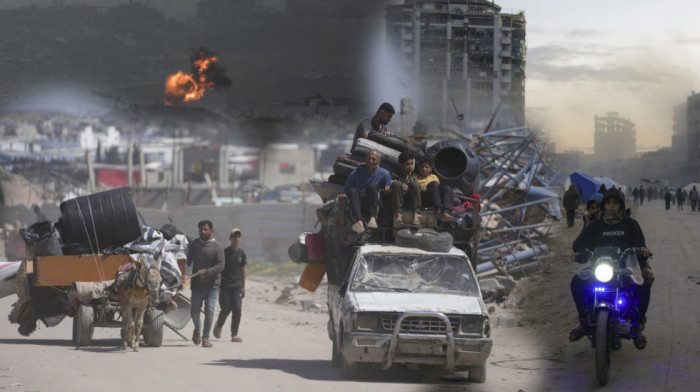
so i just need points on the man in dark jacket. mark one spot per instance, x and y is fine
(232, 287)
(571, 201)
(206, 256)
(614, 229)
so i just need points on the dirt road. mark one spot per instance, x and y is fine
(286, 348)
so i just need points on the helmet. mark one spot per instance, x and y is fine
(595, 198)
(616, 193)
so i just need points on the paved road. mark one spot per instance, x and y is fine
(671, 361)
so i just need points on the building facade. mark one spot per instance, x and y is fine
(615, 137)
(463, 59)
(693, 129)
(679, 140)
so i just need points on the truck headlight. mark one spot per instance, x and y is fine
(604, 272)
(367, 321)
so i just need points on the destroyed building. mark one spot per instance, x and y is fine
(615, 137)
(464, 56)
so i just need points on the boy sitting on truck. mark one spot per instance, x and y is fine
(404, 184)
(441, 195)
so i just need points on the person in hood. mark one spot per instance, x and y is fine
(614, 228)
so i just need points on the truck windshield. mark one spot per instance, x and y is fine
(414, 273)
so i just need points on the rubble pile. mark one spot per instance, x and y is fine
(519, 204)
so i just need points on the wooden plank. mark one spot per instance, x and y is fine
(64, 270)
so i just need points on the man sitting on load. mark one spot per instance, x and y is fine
(364, 185)
(376, 124)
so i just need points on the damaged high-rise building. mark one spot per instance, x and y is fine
(462, 60)
(615, 137)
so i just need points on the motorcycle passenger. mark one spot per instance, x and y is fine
(594, 209)
(614, 228)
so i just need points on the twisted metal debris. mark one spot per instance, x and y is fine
(519, 206)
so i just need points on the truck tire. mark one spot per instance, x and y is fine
(83, 326)
(396, 143)
(169, 231)
(335, 357)
(348, 371)
(425, 239)
(477, 373)
(343, 169)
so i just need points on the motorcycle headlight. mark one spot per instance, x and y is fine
(604, 272)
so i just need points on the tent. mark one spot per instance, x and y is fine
(587, 183)
(690, 186)
(609, 183)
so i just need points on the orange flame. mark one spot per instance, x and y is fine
(181, 87)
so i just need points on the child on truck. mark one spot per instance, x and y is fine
(442, 196)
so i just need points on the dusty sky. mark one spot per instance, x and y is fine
(585, 58)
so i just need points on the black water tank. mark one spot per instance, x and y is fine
(101, 220)
(456, 164)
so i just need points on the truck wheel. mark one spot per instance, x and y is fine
(83, 326)
(335, 358)
(426, 239)
(477, 373)
(153, 334)
(169, 231)
(348, 371)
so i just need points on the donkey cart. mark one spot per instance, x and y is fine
(51, 287)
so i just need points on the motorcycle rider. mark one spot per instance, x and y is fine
(614, 228)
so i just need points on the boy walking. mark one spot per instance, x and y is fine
(232, 288)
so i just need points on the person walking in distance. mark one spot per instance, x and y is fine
(232, 287)
(206, 257)
(571, 201)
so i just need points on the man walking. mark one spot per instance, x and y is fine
(232, 289)
(206, 256)
(571, 202)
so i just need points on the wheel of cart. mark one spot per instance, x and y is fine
(153, 322)
(83, 325)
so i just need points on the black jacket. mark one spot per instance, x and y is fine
(625, 234)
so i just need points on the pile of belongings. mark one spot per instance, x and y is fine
(92, 225)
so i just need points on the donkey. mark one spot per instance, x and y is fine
(142, 284)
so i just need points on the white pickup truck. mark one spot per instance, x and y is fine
(401, 305)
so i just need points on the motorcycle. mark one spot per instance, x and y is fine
(612, 315)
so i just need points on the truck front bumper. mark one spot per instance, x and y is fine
(443, 350)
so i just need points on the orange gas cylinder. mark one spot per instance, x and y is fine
(312, 276)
